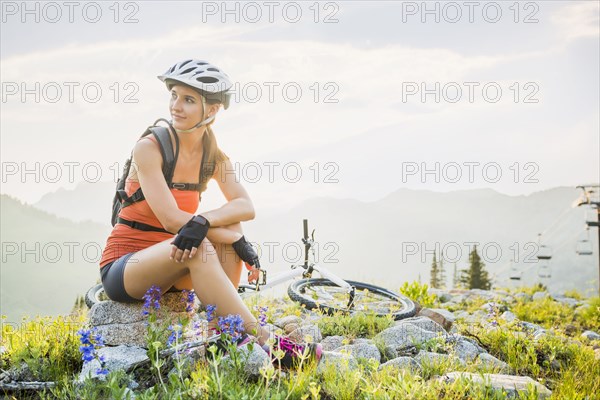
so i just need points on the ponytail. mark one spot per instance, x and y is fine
(214, 155)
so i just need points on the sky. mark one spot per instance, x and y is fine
(348, 99)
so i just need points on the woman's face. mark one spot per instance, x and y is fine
(186, 107)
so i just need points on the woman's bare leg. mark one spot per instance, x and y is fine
(152, 266)
(221, 238)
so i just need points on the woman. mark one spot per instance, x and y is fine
(203, 255)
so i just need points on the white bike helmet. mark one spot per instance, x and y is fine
(212, 83)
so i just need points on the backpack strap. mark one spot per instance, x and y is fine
(163, 137)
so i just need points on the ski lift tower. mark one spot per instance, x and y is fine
(590, 197)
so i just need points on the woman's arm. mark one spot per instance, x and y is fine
(239, 207)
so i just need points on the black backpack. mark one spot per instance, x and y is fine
(121, 200)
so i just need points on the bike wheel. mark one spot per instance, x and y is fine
(95, 295)
(323, 294)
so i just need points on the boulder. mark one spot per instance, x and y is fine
(331, 343)
(425, 322)
(513, 385)
(402, 363)
(361, 350)
(465, 350)
(116, 358)
(307, 333)
(341, 362)
(489, 361)
(290, 319)
(398, 338)
(540, 296)
(590, 335)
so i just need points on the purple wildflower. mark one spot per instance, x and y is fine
(88, 348)
(262, 316)
(175, 334)
(232, 325)
(210, 312)
(151, 299)
(188, 297)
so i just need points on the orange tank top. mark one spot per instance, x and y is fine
(124, 239)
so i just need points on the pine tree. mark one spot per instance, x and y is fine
(434, 280)
(442, 272)
(476, 277)
(455, 279)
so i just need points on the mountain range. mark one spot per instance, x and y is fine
(385, 242)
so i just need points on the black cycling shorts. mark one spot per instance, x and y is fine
(112, 280)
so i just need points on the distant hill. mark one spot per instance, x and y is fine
(87, 201)
(46, 261)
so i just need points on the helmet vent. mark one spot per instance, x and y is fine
(188, 70)
(185, 62)
(212, 69)
(201, 63)
(207, 79)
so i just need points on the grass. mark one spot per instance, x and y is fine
(50, 348)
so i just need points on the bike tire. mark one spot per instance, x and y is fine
(297, 292)
(92, 295)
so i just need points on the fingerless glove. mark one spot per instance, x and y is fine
(245, 251)
(192, 233)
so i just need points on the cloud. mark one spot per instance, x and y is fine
(578, 20)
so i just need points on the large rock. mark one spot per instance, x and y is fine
(465, 350)
(361, 350)
(117, 358)
(397, 339)
(133, 334)
(287, 320)
(124, 323)
(590, 335)
(340, 361)
(254, 359)
(307, 333)
(402, 363)
(488, 361)
(569, 301)
(424, 322)
(540, 296)
(513, 385)
(331, 343)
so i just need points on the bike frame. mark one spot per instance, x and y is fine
(304, 270)
(299, 270)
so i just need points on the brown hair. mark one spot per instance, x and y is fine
(214, 155)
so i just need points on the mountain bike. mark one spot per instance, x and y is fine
(329, 293)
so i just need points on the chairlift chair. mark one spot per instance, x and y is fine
(544, 252)
(515, 275)
(584, 246)
(544, 271)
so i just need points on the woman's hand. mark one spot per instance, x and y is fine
(189, 237)
(253, 274)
